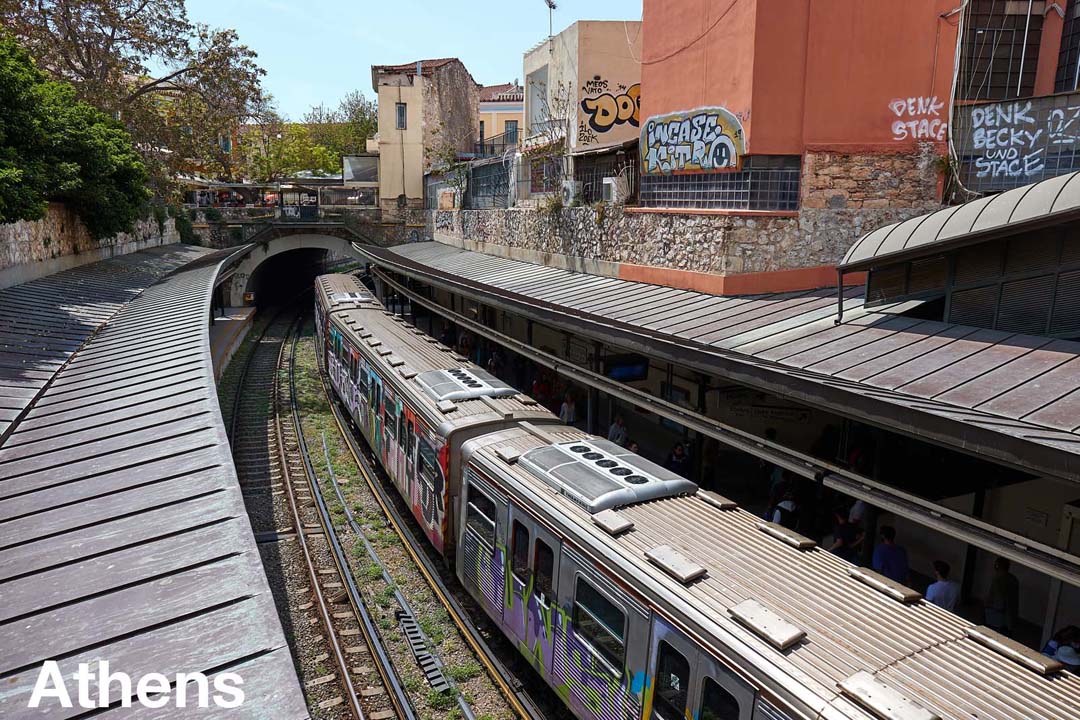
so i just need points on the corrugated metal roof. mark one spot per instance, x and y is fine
(124, 534)
(1043, 203)
(917, 647)
(1009, 396)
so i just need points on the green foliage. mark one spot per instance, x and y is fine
(184, 226)
(55, 147)
(161, 214)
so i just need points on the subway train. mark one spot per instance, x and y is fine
(633, 592)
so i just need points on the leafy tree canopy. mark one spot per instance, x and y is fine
(180, 88)
(55, 147)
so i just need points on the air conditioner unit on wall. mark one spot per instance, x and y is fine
(616, 190)
(571, 192)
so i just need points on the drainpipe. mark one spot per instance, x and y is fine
(1023, 50)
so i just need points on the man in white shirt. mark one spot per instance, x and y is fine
(617, 433)
(943, 593)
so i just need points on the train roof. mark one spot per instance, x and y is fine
(843, 631)
(339, 291)
(453, 391)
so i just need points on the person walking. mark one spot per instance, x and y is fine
(1002, 601)
(943, 592)
(890, 559)
(786, 512)
(568, 410)
(678, 461)
(845, 536)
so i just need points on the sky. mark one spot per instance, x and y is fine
(317, 50)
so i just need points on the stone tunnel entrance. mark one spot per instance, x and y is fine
(275, 271)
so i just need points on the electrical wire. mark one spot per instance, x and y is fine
(693, 42)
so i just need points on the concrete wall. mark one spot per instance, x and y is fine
(59, 241)
(608, 82)
(802, 74)
(551, 72)
(401, 152)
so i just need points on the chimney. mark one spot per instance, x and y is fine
(419, 67)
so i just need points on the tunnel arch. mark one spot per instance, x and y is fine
(247, 271)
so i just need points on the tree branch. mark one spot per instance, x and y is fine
(154, 84)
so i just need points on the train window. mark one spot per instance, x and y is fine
(717, 703)
(544, 567)
(480, 516)
(429, 464)
(408, 437)
(601, 622)
(390, 418)
(520, 551)
(672, 683)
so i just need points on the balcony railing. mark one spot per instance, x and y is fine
(496, 145)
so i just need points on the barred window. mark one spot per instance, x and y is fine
(765, 182)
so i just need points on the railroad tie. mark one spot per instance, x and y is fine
(321, 680)
(382, 715)
(332, 702)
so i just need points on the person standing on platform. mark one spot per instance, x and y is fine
(943, 592)
(568, 410)
(890, 559)
(617, 432)
(1002, 601)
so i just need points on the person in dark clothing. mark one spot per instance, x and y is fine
(1002, 601)
(678, 461)
(845, 536)
(890, 559)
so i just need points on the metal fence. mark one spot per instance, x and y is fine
(765, 182)
(488, 186)
(590, 171)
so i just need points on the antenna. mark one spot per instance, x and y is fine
(551, 12)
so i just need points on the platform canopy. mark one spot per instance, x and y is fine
(1031, 207)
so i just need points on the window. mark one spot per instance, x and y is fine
(1068, 69)
(408, 438)
(401, 112)
(601, 622)
(480, 516)
(520, 551)
(544, 567)
(390, 418)
(1000, 50)
(481, 131)
(429, 464)
(672, 683)
(717, 703)
(765, 182)
(511, 130)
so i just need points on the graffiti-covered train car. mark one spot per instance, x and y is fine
(414, 400)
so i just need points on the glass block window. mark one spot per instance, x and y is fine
(1068, 69)
(765, 182)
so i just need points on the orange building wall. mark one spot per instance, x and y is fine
(821, 73)
(678, 74)
(863, 55)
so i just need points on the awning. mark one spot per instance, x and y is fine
(605, 148)
(1005, 396)
(1031, 207)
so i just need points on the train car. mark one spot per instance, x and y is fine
(637, 595)
(414, 400)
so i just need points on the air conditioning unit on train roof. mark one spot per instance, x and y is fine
(458, 384)
(599, 475)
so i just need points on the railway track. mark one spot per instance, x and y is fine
(517, 695)
(344, 667)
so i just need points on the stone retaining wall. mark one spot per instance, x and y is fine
(59, 241)
(843, 195)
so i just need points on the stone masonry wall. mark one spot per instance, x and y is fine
(843, 197)
(31, 249)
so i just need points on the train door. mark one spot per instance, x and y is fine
(361, 400)
(600, 643)
(375, 414)
(391, 425)
(409, 448)
(542, 605)
(482, 561)
(686, 682)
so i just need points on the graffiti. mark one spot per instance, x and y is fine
(585, 134)
(702, 140)
(605, 110)
(919, 119)
(1011, 141)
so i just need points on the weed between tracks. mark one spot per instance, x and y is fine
(460, 663)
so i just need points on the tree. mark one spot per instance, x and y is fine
(274, 150)
(210, 83)
(55, 147)
(343, 130)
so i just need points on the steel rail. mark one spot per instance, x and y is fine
(521, 703)
(316, 589)
(384, 665)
